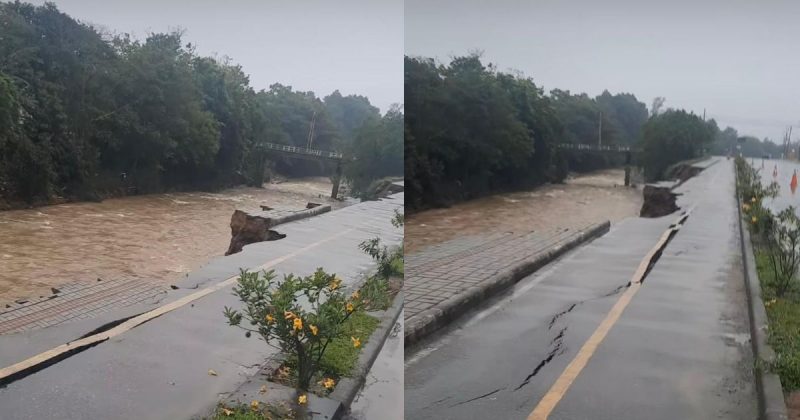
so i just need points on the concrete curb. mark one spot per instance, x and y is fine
(771, 404)
(426, 322)
(302, 214)
(347, 388)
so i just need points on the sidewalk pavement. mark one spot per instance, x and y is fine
(160, 369)
(440, 279)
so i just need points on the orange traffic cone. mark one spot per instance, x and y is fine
(793, 184)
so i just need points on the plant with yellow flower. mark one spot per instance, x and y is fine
(298, 315)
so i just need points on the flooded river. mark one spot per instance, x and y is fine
(587, 198)
(157, 237)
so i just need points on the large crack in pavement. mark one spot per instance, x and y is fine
(557, 344)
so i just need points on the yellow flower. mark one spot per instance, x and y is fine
(270, 319)
(227, 412)
(302, 399)
(746, 207)
(355, 295)
(328, 383)
(755, 219)
(283, 372)
(349, 307)
(313, 328)
(288, 315)
(298, 324)
(356, 342)
(335, 283)
(753, 200)
(254, 404)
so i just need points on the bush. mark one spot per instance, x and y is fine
(276, 311)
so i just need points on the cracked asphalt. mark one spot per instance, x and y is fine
(160, 369)
(680, 349)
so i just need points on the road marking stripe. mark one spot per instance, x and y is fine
(140, 319)
(563, 383)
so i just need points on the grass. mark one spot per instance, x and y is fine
(341, 356)
(784, 326)
(245, 412)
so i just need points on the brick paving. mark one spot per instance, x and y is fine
(442, 271)
(76, 301)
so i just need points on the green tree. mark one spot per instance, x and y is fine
(670, 137)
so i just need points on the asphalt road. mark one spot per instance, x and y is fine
(679, 350)
(160, 369)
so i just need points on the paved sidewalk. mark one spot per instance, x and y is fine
(160, 369)
(77, 301)
(436, 274)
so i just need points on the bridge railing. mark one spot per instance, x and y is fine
(594, 147)
(303, 151)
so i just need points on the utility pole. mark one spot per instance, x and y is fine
(600, 129)
(704, 114)
(311, 130)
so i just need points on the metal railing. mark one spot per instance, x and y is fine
(594, 147)
(302, 151)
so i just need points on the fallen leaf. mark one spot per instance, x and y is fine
(212, 372)
(263, 389)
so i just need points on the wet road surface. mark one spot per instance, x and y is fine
(159, 369)
(157, 238)
(382, 395)
(680, 348)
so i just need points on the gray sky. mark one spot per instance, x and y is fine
(738, 59)
(355, 46)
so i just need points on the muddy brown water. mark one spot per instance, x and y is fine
(158, 237)
(589, 198)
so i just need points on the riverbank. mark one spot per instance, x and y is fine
(583, 199)
(156, 238)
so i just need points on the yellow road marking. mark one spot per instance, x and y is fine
(563, 383)
(140, 319)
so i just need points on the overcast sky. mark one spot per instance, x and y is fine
(355, 46)
(737, 59)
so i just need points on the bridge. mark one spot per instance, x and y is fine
(595, 147)
(312, 154)
(610, 148)
(303, 151)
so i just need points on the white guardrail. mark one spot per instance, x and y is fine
(303, 150)
(578, 146)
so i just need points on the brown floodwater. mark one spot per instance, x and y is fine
(158, 237)
(588, 198)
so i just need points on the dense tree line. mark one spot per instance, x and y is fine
(85, 114)
(671, 137)
(471, 130)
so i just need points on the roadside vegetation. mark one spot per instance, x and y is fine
(317, 327)
(86, 114)
(776, 242)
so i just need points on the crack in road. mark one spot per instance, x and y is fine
(558, 349)
(479, 397)
(557, 342)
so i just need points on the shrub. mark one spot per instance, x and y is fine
(276, 311)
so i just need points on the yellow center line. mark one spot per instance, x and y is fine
(140, 319)
(557, 391)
